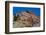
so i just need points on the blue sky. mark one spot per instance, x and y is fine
(36, 11)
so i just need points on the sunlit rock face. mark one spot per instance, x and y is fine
(26, 19)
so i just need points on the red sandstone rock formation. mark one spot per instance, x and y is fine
(28, 18)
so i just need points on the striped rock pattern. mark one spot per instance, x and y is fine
(27, 19)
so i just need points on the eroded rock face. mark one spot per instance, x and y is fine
(26, 20)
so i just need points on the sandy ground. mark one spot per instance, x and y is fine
(17, 24)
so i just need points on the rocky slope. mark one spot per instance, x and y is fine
(26, 19)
